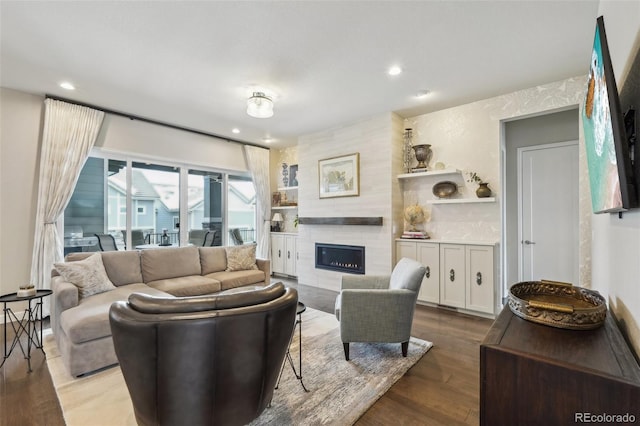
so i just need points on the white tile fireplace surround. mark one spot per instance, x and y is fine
(378, 140)
(374, 240)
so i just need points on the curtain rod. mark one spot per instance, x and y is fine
(151, 121)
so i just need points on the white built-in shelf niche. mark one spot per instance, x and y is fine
(443, 173)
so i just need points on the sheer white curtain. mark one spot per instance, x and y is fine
(258, 162)
(70, 131)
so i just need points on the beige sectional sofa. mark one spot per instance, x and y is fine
(81, 325)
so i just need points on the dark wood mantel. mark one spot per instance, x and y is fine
(371, 221)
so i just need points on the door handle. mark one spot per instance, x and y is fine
(527, 242)
(479, 278)
(452, 275)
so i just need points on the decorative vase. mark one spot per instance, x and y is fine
(285, 175)
(423, 155)
(483, 190)
(407, 152)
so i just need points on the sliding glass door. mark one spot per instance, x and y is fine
(205, 202)
(242, 210)
(155, 205)
(144, 205)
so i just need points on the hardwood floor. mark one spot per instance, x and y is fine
(441, 389)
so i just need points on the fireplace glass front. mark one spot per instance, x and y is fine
(341, 258)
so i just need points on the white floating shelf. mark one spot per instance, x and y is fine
(287, 188)
(283, 207)
(430, 173)
(462, 200)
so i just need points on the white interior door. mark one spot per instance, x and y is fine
(548, 212)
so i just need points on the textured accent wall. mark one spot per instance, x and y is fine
(376, 140)
(469, 138)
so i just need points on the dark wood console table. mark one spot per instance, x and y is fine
(532, 374)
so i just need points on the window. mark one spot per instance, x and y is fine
(135, 201)
(204, 203)
(156, 188)
(241, 198)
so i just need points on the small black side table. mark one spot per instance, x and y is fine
(298, 372)
(28, 324)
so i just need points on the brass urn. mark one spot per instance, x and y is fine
(423, 155)
(483, 190)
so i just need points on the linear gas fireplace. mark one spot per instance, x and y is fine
(341, 258)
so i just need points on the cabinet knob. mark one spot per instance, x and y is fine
(452, 275)
(288, 255)
(427, 272)
(279, 253)
(479, 278)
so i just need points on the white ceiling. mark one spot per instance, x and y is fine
(193, 64)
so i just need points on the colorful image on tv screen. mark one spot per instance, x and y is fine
(598, 135)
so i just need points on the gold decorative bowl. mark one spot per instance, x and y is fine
(557, 304)
(445, 189)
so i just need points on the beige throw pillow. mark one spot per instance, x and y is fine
(88, 275)
(241, 258)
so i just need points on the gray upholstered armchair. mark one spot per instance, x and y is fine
(379, 308)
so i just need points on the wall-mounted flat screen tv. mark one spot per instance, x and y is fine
(610, 173)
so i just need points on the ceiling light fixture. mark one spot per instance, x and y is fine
(395, 70)
(422, 94)
(235, 130)
(259, 105)
(67, 86)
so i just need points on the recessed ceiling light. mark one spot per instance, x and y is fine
(67, 86)
(267, 139)
(422, 93)
(395, 70)
(235, 130)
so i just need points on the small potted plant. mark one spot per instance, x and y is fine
(483, 190)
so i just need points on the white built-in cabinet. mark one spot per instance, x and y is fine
(284, 253)
(429, 255)
(456, 275)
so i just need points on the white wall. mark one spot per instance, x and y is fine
(21, 117)
(616, 242)
(20, 129)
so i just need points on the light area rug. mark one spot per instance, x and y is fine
(339, 391)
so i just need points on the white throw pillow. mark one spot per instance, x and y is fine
(88, 275)
(241, 258)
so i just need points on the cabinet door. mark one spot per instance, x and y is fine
(429, 256)
(406, 249)
(290, 255)
(277, 253)
(452, 275)
(480, 288)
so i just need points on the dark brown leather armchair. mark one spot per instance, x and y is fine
(203, 360)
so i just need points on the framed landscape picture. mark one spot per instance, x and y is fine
(339, 176)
